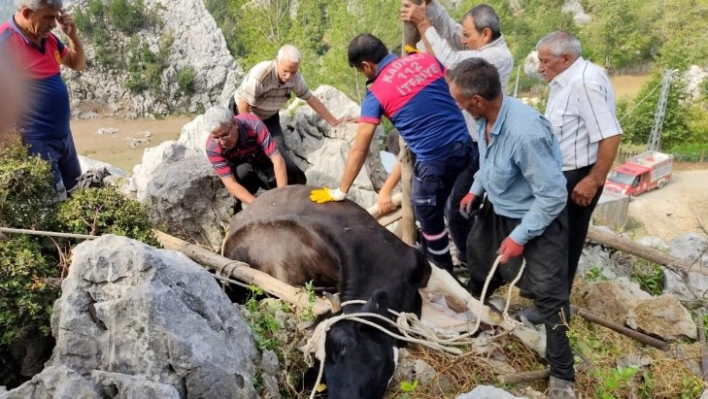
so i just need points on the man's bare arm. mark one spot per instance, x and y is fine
(357, 154)
(237, 190)
(281, 172)
(322, 111)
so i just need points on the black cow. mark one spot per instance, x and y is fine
(295, 240)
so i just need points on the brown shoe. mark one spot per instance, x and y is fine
(560, 389)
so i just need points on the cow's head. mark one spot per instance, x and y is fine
(360, 359)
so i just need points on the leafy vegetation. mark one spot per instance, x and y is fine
(185, 79)
(145, 66)
(31, 266)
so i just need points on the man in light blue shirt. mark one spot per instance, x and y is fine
(524, 212)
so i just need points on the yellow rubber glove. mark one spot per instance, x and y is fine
(322, 195)
(410, 49)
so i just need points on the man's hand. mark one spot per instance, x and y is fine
(509, 249)
(466, 205)
(584, 191)
(415, 14)
(383, 201)
(67, 24)
(322, 195)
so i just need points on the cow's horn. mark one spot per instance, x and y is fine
(334, 300)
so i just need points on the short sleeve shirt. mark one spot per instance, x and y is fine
(263, 91)
(254, 145)
(49, 113)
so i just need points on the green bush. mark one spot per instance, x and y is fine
(26, 189)
(186, 79)
(25, 297)
(145, 67)
(98, 211)
(128, 16)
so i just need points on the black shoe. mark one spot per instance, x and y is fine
(532, 315)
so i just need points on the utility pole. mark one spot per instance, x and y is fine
(655, 136)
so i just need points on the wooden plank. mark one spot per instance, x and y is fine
(618, 242)
(243, 272)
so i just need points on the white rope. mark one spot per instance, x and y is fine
(316, 343)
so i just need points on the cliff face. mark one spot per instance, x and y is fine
(196, 44)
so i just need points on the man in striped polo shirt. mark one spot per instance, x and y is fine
(44, 123)
(581, 109)
(244, 155)
(479, 35)
(269, 85)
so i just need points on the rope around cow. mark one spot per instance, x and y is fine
(408, 324)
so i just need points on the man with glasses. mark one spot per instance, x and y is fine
(244, 155)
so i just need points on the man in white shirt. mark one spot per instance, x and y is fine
(581, 109)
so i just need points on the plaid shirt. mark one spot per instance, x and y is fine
(254, 146)
(262, 89)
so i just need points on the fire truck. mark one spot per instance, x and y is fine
(641, 173)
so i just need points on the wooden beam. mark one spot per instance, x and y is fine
(620, 243)
(243, 272)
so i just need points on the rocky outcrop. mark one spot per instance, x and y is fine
(198, 43)
(134, 321)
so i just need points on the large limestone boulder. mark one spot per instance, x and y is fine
(690, 287)
(134, 321)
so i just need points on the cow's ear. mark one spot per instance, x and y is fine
(378, 303)
(339, 341)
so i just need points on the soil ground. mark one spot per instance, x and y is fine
(116, 148)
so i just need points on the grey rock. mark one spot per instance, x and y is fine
(56, 382)
(90, 163)
(690, 286)
(691, 247)
(118, 385)
(663, 316)
(144, 320)
(107, 131)
(488, 392)
(593, 256)
(653, 242)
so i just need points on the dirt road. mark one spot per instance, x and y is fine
(673, 210)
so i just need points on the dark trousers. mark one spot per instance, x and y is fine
(545, 276)
(255, 176)
(61, 153)
(276, 131)
(578, 221)
(458, 225)
(432, 184)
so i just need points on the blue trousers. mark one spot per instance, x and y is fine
(433, 182)
(61, 153)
